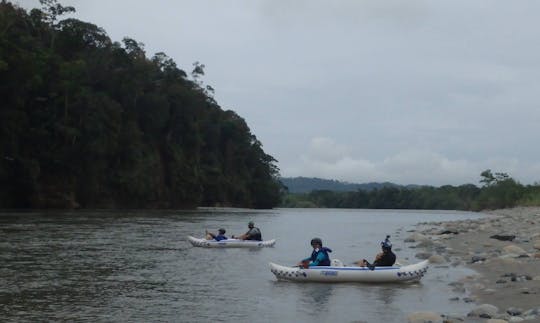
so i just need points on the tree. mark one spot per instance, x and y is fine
(52, 9)
(91, 122)
(488, 179)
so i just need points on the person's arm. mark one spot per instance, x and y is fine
(318, 260)
(378, 259)
(240, 237)
(302, 262)
(208, 236)
(379, 256)
(249, 234)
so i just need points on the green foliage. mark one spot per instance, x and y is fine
(531, 196)
(499, 191)
(94, 123)
(307, 184)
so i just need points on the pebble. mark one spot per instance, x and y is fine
(423, 317)
(484, 310)
(514, 243)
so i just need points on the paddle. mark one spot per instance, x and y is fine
(370, 266)
(303, 265)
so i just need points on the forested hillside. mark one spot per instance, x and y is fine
(89, 122)
(308, 184)
(498, 191)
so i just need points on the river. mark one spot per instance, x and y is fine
(137, 266)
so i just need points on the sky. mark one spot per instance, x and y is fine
(406, 91)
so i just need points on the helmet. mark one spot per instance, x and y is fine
(386, 244)
(316, 241)
(251, 224)
(222, 231)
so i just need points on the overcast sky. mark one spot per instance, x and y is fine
(406, 91)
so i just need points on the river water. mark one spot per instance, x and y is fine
(137, 266)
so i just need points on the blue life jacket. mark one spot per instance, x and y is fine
(324, 251)
(220, 237)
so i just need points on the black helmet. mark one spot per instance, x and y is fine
(386, 244)
(316, 241)
(251, 224)
(222, 231)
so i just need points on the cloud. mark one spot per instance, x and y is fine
(325, 150)
(327, 159)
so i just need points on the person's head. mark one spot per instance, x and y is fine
(251, 224)
(221, 231)
(386, 245)
(316, 242)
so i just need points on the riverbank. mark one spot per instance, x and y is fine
(503, 249)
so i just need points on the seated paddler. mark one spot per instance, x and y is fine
(386, 258)
(217, 237)
(319, 256)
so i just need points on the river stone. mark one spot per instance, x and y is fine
(416, 237)
(503, 237)
(475, 259)
(514, 249)
(424, 317)
(537, 244)
(514, 311)
(496, 321)
(532, 312)
(423, 255)
(425, 244)
(516, 319)
(436, 259)
(505, 260)
(484, 310)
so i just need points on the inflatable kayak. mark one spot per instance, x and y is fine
(230, 243)
(351, 274)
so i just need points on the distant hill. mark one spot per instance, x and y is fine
(308, 184)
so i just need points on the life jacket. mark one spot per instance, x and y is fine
(220, 237)
(325, 251)
(254, 234)
(388, 259)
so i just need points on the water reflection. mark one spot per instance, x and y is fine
(315, 296)
(386, 294)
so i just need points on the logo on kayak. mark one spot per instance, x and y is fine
(329, 273)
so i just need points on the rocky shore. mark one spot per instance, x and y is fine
(503, 248)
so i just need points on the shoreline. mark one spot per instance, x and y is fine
(502, 248)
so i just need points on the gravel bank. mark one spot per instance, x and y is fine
(503, 248)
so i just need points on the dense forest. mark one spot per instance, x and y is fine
(90, 122)
(308, 184)
(498, 191)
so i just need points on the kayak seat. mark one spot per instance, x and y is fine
(336, 263)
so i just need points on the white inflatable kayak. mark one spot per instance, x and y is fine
(351, 274)
(230, 243)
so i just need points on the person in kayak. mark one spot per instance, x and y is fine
(384, 259)
(319, 256)
(218, 237)
(253, 233)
